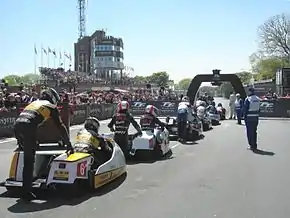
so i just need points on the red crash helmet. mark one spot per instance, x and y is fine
(123, 105)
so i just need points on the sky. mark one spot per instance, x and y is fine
(184, 37)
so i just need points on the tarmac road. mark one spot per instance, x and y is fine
(215, 177)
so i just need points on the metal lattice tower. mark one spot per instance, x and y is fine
(82, 18)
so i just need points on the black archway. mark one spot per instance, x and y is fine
(198, 79)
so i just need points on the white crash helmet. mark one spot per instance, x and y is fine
(123, 106)
(185, 99)
(238, 95)
(151, 109)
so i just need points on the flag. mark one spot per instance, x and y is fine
(35, 50)
(49, 50)
(43, 49)
(66, 55)
(54, 53)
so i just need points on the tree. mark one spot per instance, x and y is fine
(244, 76)
(184, 83)
(266, 67)
(225, 89)
(141, 79)
(274, 36)
(159, 78)
(14, 80)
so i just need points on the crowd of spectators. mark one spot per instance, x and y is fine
(60, 76)
(24, 95)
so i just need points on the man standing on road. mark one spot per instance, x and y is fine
(251, 115)
(232, 105)
(239, 106)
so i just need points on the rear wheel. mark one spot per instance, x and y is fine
(157, 152)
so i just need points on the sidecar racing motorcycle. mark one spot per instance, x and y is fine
(194, 129)
(148, 143)
(222, 112)
(203, 116)
(56, 168)
(214, 117)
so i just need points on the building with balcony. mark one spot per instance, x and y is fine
(101, 55)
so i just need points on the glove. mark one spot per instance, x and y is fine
(70, 149)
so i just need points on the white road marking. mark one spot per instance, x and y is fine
(175, 145)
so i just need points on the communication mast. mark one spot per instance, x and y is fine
(82, 18)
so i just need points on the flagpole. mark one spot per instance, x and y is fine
(41, 54)
(64, 54)
(54, 59)
(60, 56)
(48, 57)
(35, 59)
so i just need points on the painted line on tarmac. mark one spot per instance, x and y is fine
(175, 145)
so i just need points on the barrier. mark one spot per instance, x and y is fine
(275, 108)
(72, 115)
(166, 108)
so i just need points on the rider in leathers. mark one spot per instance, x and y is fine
(184, 115)
(25, 128)
(122, 120)
(149, 121)
(88, 140)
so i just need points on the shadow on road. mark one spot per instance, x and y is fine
(50, 200)
(262, 152)
(149, 159)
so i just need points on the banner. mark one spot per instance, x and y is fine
(77, 114)
(166, 108)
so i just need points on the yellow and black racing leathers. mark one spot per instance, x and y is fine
(25, 128)
(89, 141)
(122, 121)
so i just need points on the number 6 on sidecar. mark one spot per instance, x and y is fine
(55, 168)
(156, 144)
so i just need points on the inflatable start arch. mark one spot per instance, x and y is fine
(198, 79)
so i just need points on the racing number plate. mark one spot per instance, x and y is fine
(174, 129)
(61, 175)
(82, 169)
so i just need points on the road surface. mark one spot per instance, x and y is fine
(215, 177)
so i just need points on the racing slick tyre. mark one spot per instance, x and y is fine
(206, 127)
(215, 122)
(157, 152)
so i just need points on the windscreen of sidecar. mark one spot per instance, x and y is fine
(48, 132)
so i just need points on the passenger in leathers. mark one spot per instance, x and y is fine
(251, 111)
(88, 140)
(239, 108)
(211, 108)
(122, 120)
(149, 121)
(25, 128)
(182, 118)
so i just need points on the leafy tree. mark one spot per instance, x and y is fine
(184, 83)
(210, 90)
(244, 76)
(14, 80)
(266, 67)
(160, 78)
(225, 89)
(141, 79)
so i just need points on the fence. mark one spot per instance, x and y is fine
(77, 114)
